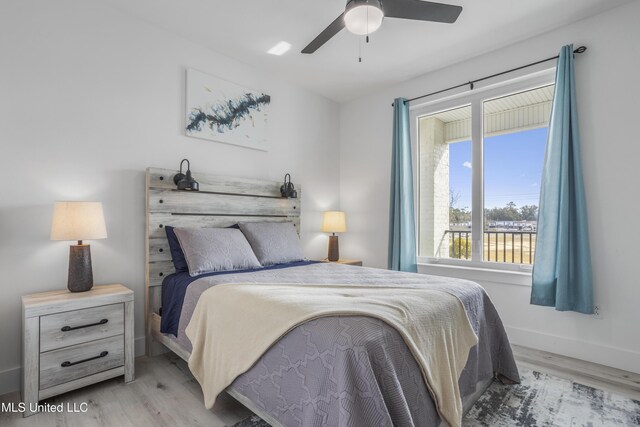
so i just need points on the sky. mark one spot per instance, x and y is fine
(512, 169)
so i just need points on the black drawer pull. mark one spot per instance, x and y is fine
(69, 328)
(67, 363)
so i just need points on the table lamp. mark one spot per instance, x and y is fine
(78, 221)
(334, 222)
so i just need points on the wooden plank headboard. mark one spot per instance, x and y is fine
(221, 201)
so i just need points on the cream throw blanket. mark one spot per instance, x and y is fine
(234, 324)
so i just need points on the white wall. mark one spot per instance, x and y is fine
(608, 96)
(88, 99)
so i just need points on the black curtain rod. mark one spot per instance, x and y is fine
(471, 83)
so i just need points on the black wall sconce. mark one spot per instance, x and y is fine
(186, 182)
(287, 189)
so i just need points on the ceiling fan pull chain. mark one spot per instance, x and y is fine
(359, 49)
(367, 25)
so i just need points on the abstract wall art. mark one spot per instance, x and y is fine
(221, 111)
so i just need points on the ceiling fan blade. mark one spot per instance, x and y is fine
(421, 10)
(333, 29)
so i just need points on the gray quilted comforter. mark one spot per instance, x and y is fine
(356, 370)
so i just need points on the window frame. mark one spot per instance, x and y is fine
(476, 99)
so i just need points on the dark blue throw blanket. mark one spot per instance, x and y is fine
(174, 287)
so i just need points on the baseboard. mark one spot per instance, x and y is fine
(10, 378)
(614, 357)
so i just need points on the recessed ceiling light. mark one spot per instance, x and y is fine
(280, 49)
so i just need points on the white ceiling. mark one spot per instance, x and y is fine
(401, 49)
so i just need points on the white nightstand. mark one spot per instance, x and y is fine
(71, 340)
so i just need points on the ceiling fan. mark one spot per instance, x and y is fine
(363, 17)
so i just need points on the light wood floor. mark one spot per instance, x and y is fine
(591, 374)
(165, 394)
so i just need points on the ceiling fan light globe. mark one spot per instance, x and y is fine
(364, 17)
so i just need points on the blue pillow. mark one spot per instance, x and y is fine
(177, 256)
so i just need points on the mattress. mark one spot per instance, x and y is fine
(355, 370)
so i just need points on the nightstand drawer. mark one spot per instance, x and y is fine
(70, 363)
(79, 326)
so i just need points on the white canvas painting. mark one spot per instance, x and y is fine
(222, 111)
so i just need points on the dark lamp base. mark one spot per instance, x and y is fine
(334, 252)
(80, 271)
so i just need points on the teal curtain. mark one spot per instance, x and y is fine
(402, 228)
(562, 267)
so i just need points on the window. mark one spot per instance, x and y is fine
(515, 135)
(480, 160)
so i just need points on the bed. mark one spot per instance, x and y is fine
(339, 370)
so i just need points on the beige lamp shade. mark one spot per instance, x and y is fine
(78, 221)
(334, 222)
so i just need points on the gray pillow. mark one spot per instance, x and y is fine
(215, 249)
(273, 242)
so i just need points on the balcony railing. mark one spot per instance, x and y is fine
(516, 247)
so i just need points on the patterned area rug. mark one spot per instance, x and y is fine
(541, 400)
